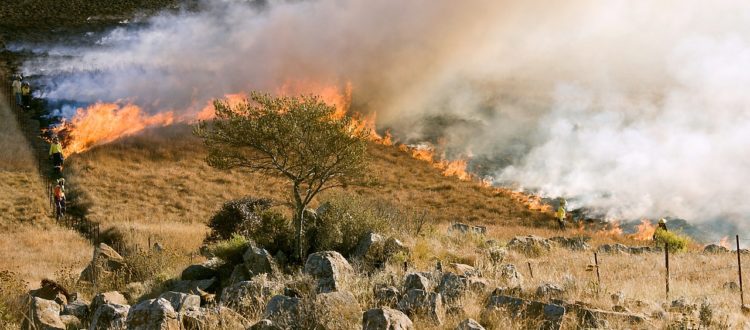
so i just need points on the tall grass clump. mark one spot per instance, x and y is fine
(675, 241)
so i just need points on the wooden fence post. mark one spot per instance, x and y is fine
(666, 263)
(531, 272)
(598, 277)
(739, 271)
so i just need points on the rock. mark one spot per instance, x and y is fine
(385, 319)
(248, 297)
(393, 246)
(617, 298)
(620, 309)
(550, 315)
(135, 290)
(329, 268)
(681, 305)
(549, 290)
(455, 312)
(416, 281)
(110, 317)
(239, 274)
(181, 301)
(529, 245)
(588, 317)
(467, 229)
(259, 261)
(452, 287)
(50, 290)
(510, 276)
(477, 284)
(370, 247)
(497, 255)
(213, 318)
(43, 314)
(198, 272)
(105, 260)
(731, 286)
(714, 248)
(469, 324)
(572, 243)
(265, 324)
(336, 310)
(111, 297)
(194, 287)
(78, 308)
(424, 304)
(643, 249)
(614, 248)
(283, 310)
(465, 270)
(153, 314)
(387, 297)
(71, 322)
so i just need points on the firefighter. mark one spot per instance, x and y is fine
(56, 153)
(662, 226)
(26, 94)
(59, 194)
(561, 213)
(17, 89)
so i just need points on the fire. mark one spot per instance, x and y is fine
(614, 229)
(330, 94)
(644, 231)
(105, 122)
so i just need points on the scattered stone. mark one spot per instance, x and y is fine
(465, 270)
(659, 314)
(387, 296)
(393, 246)
(416, 281)
(452, 287)
(731, 286)
(181, 301)
(194, 287)
(588, 317)
(618, 298)
(283, 310)
(104, 261)
(135, 290)
(259, 261)
(110, 317)
(336, 310)
(239, 274)
(643, 249)
(111, 297)
(153, 314)
(385, 319)
(550, 315)
(248, 297)
(510, 276)
(715, 248)
(43, 314)
(329, 268)
(466, 229)
(370, 247)
(469, 324)
(620, 309)
(50, 290)
(71, 322)
(78, 308)
(477, 284)
(214, 318)
(614, 248)
(549, 290)
(423, 303)
(198, 272)
(529, 245)
(682, 305)
(265, 324)
(579, 243)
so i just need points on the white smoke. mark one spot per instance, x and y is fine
(638, 109)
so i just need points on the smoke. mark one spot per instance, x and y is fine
(632, 109)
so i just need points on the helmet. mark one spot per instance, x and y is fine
(662, 221)
(61, 180)
(563, 202)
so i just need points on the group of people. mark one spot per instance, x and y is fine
(561, 215)
(58, 192)
(22, 92)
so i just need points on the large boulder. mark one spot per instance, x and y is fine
(78, 308)
(194, 287)
(329, 268)
(469, 324)
(71, 322)
(452, 287)
(247, 297)
(284, 311)
(104, 261)
(204, 271)
(549, 290)
(425, 304)
(538, 314)
(259, 261)
(387, 296)
(529, 245)
(104, 298)
(385, 319)
(336, 310)
(50, 290)
(370, 247)
(44, 314)
(715, 248)
(182, 301)
(213, 318)
(416, 281)
(463, 228)
(153, 314)
(579, 243)
(110, 317)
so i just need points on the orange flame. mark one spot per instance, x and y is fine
(614, 229)
(644, 231)
(105, 122)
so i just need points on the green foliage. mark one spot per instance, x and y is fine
(343, 220)
(241, 216)
(274, 233)
(230, 250)
(677, 243)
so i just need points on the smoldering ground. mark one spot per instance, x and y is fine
(633, 109)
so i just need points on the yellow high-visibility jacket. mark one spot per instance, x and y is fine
(55, 148)
(17, 86)
(560, 213)
(26, 90)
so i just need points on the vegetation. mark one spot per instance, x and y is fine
(297, 138)
(230, 250)
(675, 241)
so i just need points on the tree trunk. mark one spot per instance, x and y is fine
(299, 221)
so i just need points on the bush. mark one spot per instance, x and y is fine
(274, 233)
(230, 250)
(677, 243)
(342, 221)
(11, 307)
(241, 216)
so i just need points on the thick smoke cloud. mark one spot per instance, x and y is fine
(636, 109)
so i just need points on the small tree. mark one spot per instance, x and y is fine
(298, 138)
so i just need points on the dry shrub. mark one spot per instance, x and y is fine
(12, 290)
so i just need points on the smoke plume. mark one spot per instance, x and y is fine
(635, 109)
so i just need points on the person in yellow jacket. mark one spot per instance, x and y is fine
(561, 214)
(26, 94)
(17, 89)
(56, 153)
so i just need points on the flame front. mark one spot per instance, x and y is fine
(644, 231)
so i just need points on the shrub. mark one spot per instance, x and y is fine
(273, 232)
(230, 250)
(238, 216)
(11, 308)
(677, 243)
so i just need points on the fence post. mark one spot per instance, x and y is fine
(666, 263)
(598, 277)
(531, 272)
(739, 271)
